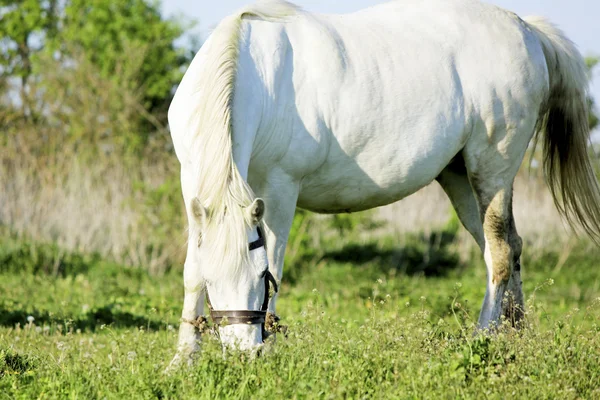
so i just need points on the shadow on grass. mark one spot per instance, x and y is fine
(428, 255)
(12, 363)
(89, 321)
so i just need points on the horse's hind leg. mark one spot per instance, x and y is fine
(513, 307)
(500, 249)
(493, 156)
(455, 182)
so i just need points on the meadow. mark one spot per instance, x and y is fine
(381, 304)
(371, 313)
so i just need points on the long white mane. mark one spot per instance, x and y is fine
(220, 187)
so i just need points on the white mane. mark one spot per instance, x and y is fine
(220, 187)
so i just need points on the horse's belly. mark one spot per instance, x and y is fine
(381, 175)
(335, 197)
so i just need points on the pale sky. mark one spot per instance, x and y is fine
(580, 19)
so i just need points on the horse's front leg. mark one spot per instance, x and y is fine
(191, 317)
(280, 206)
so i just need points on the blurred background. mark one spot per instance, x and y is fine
(88, 173)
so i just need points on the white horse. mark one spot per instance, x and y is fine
(338, 113)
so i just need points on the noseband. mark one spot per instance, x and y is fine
(250, 317)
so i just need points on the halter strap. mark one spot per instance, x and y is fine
(249, 317)
(260, 242)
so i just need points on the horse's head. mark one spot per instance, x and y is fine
(228, 247)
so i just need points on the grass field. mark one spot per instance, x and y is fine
(367, 319)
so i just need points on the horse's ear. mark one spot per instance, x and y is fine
(256, 211)
(198, 211)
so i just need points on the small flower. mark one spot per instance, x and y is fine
(30, 319)
(170, 327)
(60, 346)
(38, 329)
(131, 355)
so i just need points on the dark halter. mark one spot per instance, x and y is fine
(250, 317)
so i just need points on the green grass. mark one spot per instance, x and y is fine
(366, 319)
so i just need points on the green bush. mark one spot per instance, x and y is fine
(25, 256)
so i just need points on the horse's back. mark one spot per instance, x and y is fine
(367, 108)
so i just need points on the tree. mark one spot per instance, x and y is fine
(106, 29)
(26, 24)
(106, 32)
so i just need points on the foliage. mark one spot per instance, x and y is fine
(85, 112)
(311, 234)
(25, 26)
(104, 30)
(24, 256)
(350, 238)
(13, 363)
(163, 216)
(38, 36)
(123, 207)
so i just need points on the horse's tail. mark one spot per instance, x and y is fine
(207, 130)
(563, 124)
